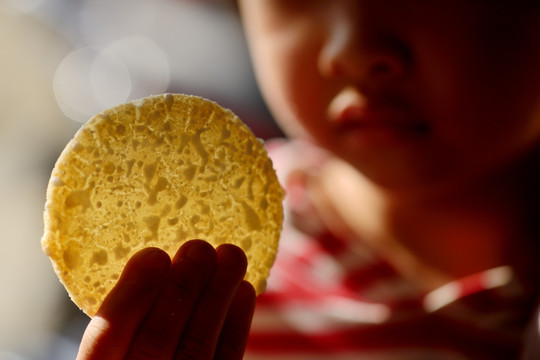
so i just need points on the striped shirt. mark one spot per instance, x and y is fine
(334, 298)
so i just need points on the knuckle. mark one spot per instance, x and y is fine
(151, 343)
(218, 291)
(183, 287)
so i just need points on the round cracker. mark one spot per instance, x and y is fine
(157, 172)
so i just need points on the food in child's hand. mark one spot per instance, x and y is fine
(157, 172)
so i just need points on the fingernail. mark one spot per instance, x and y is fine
(246, 291)
(200, 252)
(233, 256)
(152, 259)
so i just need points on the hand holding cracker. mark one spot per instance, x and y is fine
(195, 307)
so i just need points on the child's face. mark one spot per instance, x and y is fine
(409, 92)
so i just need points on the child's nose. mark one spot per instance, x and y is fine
(355, 51)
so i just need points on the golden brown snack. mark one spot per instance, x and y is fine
(157, 172)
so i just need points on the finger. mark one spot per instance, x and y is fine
(235, 331)
(161, 330)
(202, 333)
(109, 333)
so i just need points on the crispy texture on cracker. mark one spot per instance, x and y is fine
(157, 172)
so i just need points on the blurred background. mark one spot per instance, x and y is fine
(62, 61)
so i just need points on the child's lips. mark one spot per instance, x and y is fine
(355, 117)
(353, 110)
(382, 126)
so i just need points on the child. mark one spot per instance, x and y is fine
(412, 192)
